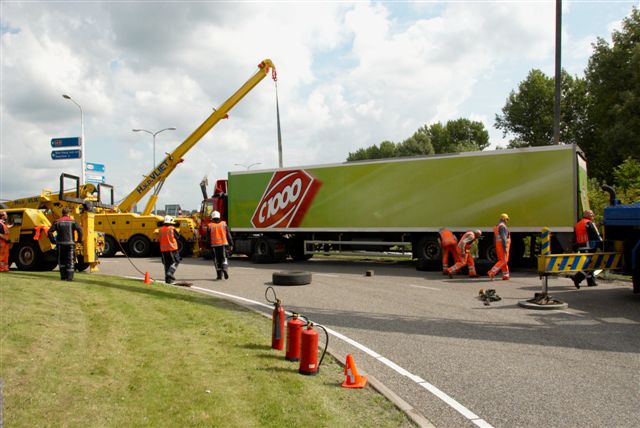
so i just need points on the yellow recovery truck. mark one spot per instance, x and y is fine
(30, 219)
(137, 234)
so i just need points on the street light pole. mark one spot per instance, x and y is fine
(82, 155)
(247, 166)
(153, 134)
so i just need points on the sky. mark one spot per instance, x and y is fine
(350, 75)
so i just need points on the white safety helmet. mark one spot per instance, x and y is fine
(477, 233)
(215, 215)
(168, 219)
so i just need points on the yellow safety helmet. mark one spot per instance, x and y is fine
(504, 217)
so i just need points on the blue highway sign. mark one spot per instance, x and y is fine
(65, 142)
(65, 154)
(94, 167)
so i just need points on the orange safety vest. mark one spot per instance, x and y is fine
(168, 239)
(447, 238)
(496, 233)
(466, 241)
(582, 237)
(218, 233)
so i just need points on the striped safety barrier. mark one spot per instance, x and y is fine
(562, 263)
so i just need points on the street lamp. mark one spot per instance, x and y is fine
(153, 134)
(247, 166)
(82, 156)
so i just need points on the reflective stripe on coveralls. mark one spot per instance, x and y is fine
(501, 252)
(464, 254)
(218, 234)
(448, 243)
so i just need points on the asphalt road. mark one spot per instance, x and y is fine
(455, 361)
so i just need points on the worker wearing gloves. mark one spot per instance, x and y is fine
(448, 245)
(62, 234)
(219, 239)
(503, 243)
(464, 254)
(587, 239)
(4, 242)
(169, 237)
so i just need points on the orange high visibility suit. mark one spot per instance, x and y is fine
(4, 247)
(168, 240)
(169, 251)
(464, 255)
(448, 245)
(502, 238)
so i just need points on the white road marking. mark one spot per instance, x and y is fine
(472, 417)
(423, 286)
(327, 275)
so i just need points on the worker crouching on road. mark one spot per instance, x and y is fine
(169, 238)
(220, 239)
(4, 242)
(464, 254)
(448, 245)
(62, 234)
(502, 238)
(587, 240)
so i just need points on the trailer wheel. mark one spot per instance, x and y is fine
(291, 278)
(28, 255)
(261, 251)
(110, 246)
(295, 248)
(489, 252)
(429, 248)
(139, 246)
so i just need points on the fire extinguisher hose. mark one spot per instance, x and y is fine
(326, 344)
(275, 298)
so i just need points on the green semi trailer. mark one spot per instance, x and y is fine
(398, 205)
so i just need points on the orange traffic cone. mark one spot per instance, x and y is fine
(147, 280)
(353, 379)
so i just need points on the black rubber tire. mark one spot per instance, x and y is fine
(139, 246)
(429, 248)
(291, 278)
(111, 246)
(81, 266)
(262, 251)
(488, 251)
(28, 256)
(295, 248)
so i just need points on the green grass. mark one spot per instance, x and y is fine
(106, 351)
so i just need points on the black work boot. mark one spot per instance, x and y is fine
(591, 282)
(226, 274)
(219, 275)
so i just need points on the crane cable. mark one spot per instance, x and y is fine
(274, 76)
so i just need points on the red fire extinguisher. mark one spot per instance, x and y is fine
(294, 335)
(277, 328)
(309, 364)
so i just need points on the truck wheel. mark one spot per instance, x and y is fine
(139, 246)
(295, 248)
(429, 249)
(291, 278)
(261, 251)
(28, 256)
(489, 253)
(110, 246)
(81, 266)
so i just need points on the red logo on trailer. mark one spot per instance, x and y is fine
(286, 200)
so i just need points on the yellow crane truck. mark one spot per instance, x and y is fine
(137, 234)
(30, 219)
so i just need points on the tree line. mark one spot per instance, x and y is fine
(600, 112)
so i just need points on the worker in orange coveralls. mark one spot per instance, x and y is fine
(4, 243)
(448, 245)
(464, 254)
(503, 243)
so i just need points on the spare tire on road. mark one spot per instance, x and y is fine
(291, 278)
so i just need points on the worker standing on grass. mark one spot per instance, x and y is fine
(587, 240)
(61, 233)
(219, 239)
(169, 237)
(448, 244)
(502, 238)
(464, 254)
(4, 242)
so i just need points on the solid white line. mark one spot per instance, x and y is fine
(423, 286)
(327, 275)
(417, 379)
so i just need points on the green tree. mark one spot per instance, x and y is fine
(458, 135)
(528, 113)
(613, 85)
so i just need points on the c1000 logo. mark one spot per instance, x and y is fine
(286, 199)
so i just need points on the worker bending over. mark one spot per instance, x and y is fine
(502, 238)
(464, 253)
(448, 245)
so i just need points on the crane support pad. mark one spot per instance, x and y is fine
(562, 263)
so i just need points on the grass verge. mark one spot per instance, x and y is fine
(107, 351)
